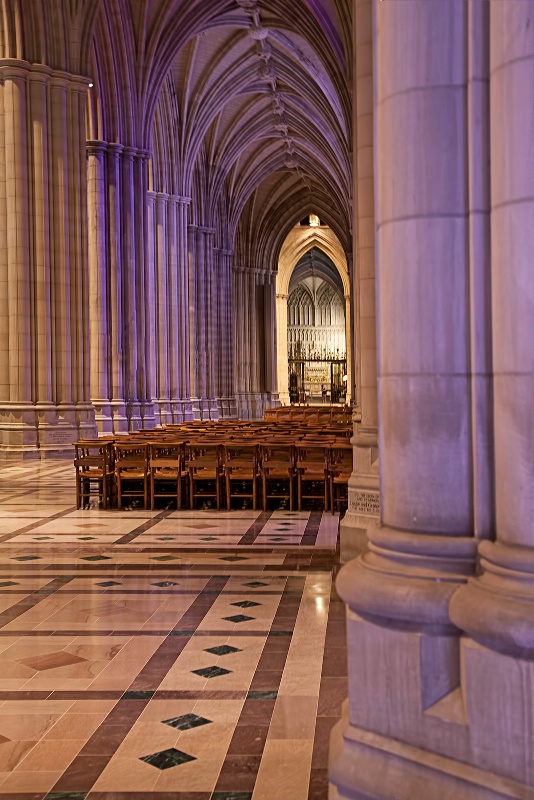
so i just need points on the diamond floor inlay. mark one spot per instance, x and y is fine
(166, 759)
(246, 604)
(186, 722)
(222, 650)
(238, 618)
(165, 584)
(211, 672)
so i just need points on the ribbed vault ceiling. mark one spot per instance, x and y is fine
(244, 104)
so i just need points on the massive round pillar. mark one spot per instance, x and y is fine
(497, 609)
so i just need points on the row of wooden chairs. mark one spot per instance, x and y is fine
(321, 414)
(139, 468)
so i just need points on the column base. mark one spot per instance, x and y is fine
(103, 416)
(148, 415)
(133, 413)
(226, 407)
(368, 766)
(363, 510)
(118, 416)
(196, 411)
(163, 414)
(43, 430)
(353, 534)
(213, 409)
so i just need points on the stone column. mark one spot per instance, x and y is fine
(172, 306)
(254, 333)
(194, 374)
(349, 350)
(44, 319)
(162, 299)
(496, 608)
(129, 311)
(223, 261)
(116, 278)
(184, 300)
(212, 330)
(402, 644)
(4, 269)
(19, 425)
(363, 505)
(98, 288)
(38, 89)
(146, 408)
(269, 299)
(281, 349)
(151, 324)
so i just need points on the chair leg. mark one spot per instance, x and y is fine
(291, 488)
(152, 492)
(119, 491)
(299, 489)
(264, 481)
(228, 492)
(191, 493)
(78, 493)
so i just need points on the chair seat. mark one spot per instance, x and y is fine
(164, 463)
(166, 472)
(131, 472)
(92, 472)
(312, 475)
(241, 473)
(204, 474)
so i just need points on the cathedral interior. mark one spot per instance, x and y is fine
(261, 227)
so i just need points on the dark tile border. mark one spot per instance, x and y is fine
(256, 528)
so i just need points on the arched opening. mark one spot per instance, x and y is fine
(313, 316)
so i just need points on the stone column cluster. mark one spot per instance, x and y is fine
(441, 606)
(225, 310)
(121, 310)
(254, 340)
(44, 312)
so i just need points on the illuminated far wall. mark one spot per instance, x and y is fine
(299, 242)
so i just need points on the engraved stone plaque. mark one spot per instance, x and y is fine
(365, 503)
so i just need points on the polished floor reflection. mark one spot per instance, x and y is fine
(193, 655)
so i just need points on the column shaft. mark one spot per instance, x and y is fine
(98, 278)
(496, 608)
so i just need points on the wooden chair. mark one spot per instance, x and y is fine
(203, 463)
(312, 471)
(241, 467)
(93, 460)
(168, 476)
(277, 467)
(339, 471)
(131, 467)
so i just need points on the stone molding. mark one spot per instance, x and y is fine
(496, 608)
(406, 580)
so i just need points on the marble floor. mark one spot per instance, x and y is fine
(164, 654)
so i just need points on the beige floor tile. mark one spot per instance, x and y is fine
(284, 770)
(29, 781)
(294, 718)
